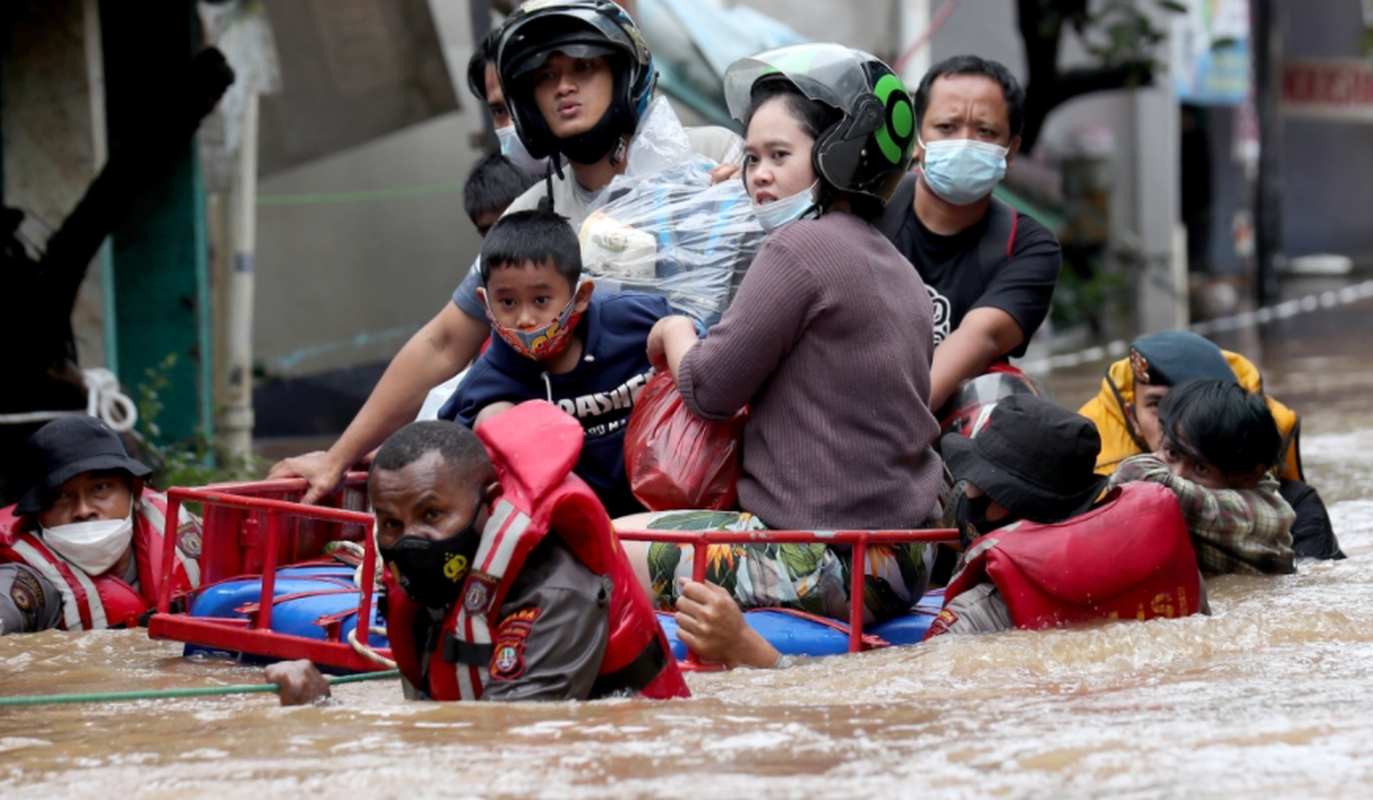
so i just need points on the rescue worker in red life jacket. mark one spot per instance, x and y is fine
(1033, 463)
(82, 549)
(443, 526)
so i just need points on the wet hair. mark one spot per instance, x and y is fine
(476, 65)
(492, 185)
(461, 450)
(974, 65)
(1220, 423)
(814, 118)
(541, 237)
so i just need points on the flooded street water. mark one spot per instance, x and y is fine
(1270, 697)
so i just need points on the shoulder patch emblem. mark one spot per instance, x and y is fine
(481, 587)
(188, 539)
(941, 624)
(26, 592)
(507, 659)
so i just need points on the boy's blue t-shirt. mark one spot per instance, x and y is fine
(600, 391)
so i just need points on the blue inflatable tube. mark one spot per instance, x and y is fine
(324, 591)
(320, 593)
(798, 636)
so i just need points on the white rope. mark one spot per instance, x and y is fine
(364, 650)
(367, 652)
(1244, 319)
(103, 400)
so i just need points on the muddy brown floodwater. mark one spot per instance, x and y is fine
(1272, 696)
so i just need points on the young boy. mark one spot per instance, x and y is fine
(1218, 443)
(492, 185)
(553, 340)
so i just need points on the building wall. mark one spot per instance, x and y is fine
(1327, 166)
(345, 283)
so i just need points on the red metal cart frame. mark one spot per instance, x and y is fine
(859, 540)
(254, 635)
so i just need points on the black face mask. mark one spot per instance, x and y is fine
(971, 518)
(431, 572)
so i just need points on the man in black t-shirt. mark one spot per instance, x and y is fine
(989, 269)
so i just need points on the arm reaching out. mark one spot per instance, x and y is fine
(984, 335)
(298, 682)
(433, 355)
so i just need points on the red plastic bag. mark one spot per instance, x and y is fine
(676, 460)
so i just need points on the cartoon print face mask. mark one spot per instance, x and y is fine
(545, 341)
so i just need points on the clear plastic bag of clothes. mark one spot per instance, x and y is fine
(673, 233)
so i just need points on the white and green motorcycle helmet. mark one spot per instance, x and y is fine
(869, 148)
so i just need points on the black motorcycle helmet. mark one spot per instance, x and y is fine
(869, 148)
(580, 29)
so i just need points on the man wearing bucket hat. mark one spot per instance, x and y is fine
(1033, 461)
(82, 549)
(1126, 415)
(1031, 496)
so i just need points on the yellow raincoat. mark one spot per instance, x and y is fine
(1118, 439)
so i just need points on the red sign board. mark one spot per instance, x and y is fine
(1328, 89)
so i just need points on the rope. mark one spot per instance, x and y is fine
(367, 652)
(1244, 319)
(157, 694)
(103, 400)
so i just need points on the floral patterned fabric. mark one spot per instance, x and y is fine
(808, 577)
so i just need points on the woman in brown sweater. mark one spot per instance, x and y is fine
(828, 343)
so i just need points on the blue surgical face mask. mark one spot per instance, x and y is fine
(513, 149)
(963, 171)
(789, 209)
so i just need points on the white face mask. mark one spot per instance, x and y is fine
(774, 215)
(93, 546)
(513, 149)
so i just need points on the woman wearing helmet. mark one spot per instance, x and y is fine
(578, 80)
(828, 342)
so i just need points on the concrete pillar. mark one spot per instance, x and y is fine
(1162, 289)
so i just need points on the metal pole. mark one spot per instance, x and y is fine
(236, 417)
(913, 27)
(1267, 49)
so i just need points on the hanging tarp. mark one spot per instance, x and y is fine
(694, 42)
(351, 71)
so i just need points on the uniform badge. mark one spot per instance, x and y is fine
(26, 592)
(481, 587)
(941, 624)
(507, 659)
(188, 539)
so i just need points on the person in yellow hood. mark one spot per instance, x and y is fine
(1126, 415)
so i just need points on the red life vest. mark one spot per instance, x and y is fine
(1130, 558)
(534, 447)
(107, 601)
